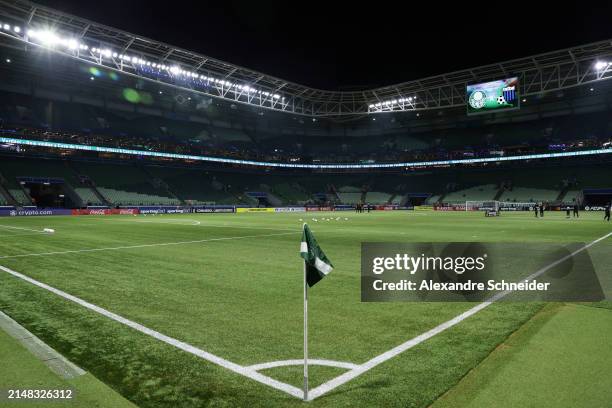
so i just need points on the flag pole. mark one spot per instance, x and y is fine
(305, 335)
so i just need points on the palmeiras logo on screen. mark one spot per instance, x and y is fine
(477, 99)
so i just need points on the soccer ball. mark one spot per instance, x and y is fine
(501, 100)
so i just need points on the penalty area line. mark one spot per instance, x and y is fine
(381, 358)
(236, 368)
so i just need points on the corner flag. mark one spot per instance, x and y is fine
(316, 267)
(317, 264)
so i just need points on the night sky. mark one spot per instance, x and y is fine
(359, 44)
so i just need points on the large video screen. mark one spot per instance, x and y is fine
(493, 96)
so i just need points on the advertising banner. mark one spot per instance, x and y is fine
(320, 208)
(33, 212)
(254, 210)
(449, 208)
(208, 210)
(114, 211)
(290, 209)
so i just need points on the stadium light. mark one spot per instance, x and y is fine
(49, 38)
(599, 65)
(73, 44)
(392, 103)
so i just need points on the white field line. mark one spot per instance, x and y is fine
(381, 358)
(22, 229)
(78, 251)
(314, 361)
(237, 368)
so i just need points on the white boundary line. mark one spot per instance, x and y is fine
(22, 229)
(381, 358)
(289, 389)
(285, 363)
(237, 368)
(77, 251)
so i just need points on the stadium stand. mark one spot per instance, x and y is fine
(119, 197)
(432, 199)
(350, 198)
(376, 197)
(477, 193)
(88, 196)
(20, 196)
(528, 194)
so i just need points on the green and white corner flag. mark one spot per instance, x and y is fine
(317, 264)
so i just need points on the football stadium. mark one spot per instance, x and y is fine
(177, 230)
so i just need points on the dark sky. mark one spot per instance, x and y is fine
(346, 45)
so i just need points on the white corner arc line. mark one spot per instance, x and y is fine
(381, 358)
(77, 251)
(285, 363)
(237, 368)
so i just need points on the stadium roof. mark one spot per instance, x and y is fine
(24, 25)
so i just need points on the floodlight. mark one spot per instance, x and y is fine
(599, 65)
(48, 37)
(17, 29)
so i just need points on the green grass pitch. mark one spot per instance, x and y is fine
(231, 284)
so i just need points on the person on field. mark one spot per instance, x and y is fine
(542, 210)
(535, 210)
(576, 209)
(607, 213)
